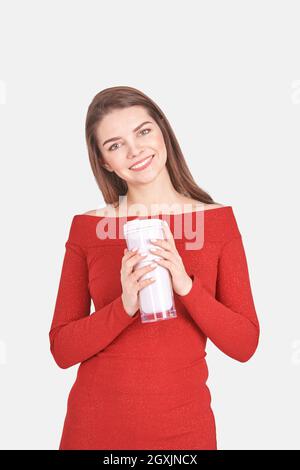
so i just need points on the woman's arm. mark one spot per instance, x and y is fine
(229, 320)
(75, 334)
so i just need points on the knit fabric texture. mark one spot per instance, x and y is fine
(143, 385)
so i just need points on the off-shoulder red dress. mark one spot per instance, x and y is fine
(143, 386)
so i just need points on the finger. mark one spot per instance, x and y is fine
(161, 243)
(145, 282)
(135, 258)
(139, 273)
(166, 229)
(165, 263)
(168, 233)
(128, 252)
(129, 260)
(166, 245)
(127, 255)
(168, 255)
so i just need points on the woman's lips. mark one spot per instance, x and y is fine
(147, 163)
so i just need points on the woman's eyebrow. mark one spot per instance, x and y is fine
(134, 130)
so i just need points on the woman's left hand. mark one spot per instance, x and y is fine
(182, 283)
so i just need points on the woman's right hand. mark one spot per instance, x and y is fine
(130, 280)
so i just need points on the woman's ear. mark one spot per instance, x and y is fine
(107, 167)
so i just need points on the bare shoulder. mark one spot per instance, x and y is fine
(97, 212)
(212, 206)
(109, 210)
(206, 207)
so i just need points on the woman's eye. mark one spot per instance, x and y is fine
(110, 148)
(146, 130)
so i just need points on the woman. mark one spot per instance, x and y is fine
(143, 386)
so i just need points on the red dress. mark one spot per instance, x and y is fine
(143, 386)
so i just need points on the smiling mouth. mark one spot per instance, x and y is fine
(143, 164)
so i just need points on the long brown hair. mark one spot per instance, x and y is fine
(109, 183)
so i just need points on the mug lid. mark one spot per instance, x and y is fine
(141, 224)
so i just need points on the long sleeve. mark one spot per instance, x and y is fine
(75, 334)
(229, 319)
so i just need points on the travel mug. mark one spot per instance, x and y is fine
(157, 299)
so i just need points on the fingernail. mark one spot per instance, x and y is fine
(134, 249)
(153, 240)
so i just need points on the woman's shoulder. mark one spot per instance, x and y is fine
(193, 203)
(105, 211)
(196, 204)
(96, 212)
(220, 222)
(207, 207)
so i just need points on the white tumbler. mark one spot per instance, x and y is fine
(157, 299)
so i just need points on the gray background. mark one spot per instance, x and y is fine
(227, 75)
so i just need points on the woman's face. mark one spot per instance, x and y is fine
(126, 136)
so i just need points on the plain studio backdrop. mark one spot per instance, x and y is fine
(227, 76)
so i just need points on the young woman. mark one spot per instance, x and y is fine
(143, 386)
